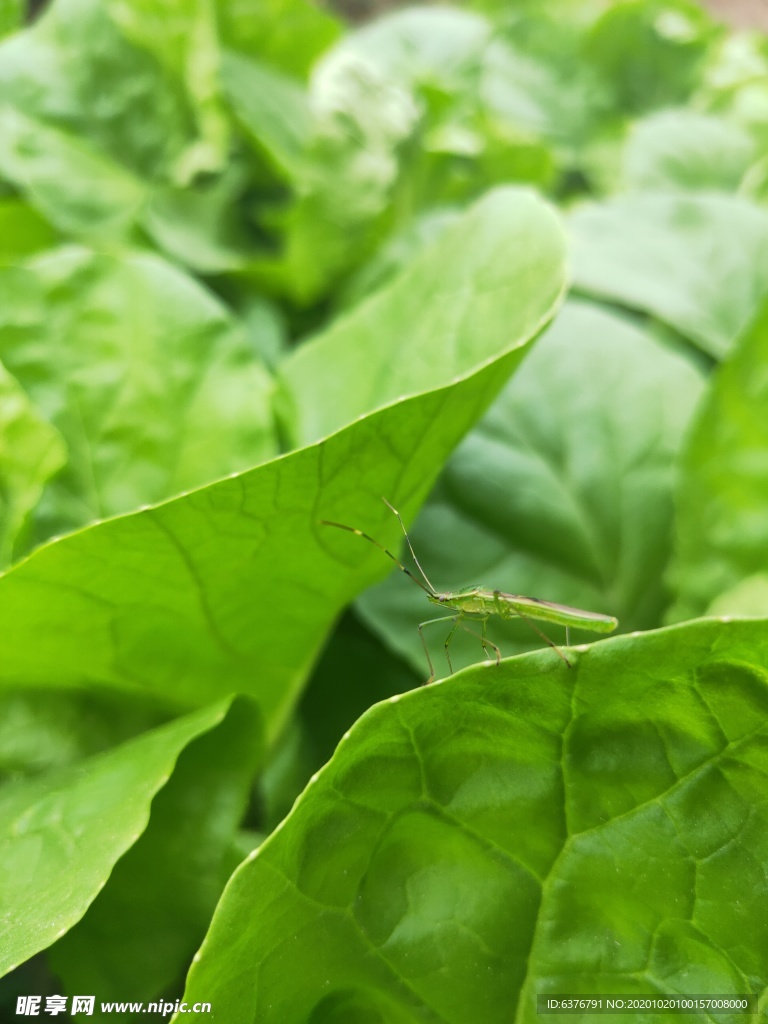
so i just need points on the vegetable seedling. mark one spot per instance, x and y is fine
(478, 603)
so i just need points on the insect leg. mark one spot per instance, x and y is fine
(448, 639)
(429, 622)
(484, 640)
(544, 637)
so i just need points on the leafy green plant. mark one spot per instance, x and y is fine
(503, 266)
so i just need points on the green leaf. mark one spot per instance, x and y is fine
(139, 116)
(42, 731)
(346, 179)
(685, 150)
(31, 451)
(182, 36)
(272, 108)
(64, 832)
(290, 34)
(74, 186)
(23, 231)
(699, 263)
(150, 380)
(518, 830)
(651, 52)
(202, 226)
(748, 598)
(438, 316)
(236, 585)
(722, 534)
(563, 491)
(140, 932)
(11, 16)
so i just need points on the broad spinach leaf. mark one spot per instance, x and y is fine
(518, 829)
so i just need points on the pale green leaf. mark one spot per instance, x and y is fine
(699, 263)
(685, 150)
(440, 313)
(142, 929)
(64, 832)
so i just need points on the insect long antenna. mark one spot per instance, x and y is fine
(408, 573)
(410, 546)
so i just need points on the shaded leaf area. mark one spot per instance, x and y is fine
(519, 829)
(698, 263)
(141, 931)
(685, 150)
(47, 730)
(65, 831)
(562, 492)
(147, 376)
(31, 451)
(354, 671)
(723, 488)
(234, 586)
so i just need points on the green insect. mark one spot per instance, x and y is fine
(478, 603)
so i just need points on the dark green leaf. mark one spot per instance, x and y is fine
(518, 830)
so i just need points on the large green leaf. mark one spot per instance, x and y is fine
(272, 108)
(234, 586)
(140, 932)
(650, 52)
(722, 528)
(78, 189)
(63, 832)
(518, 830)
(563, 491)
(683, 149)
(31, 451)
(22, 231)
(150, 380)
(139, 115)
(289, 34)
(700, 263)
(439, 315)
(182, 36)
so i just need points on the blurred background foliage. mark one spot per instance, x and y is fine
(190, 191)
